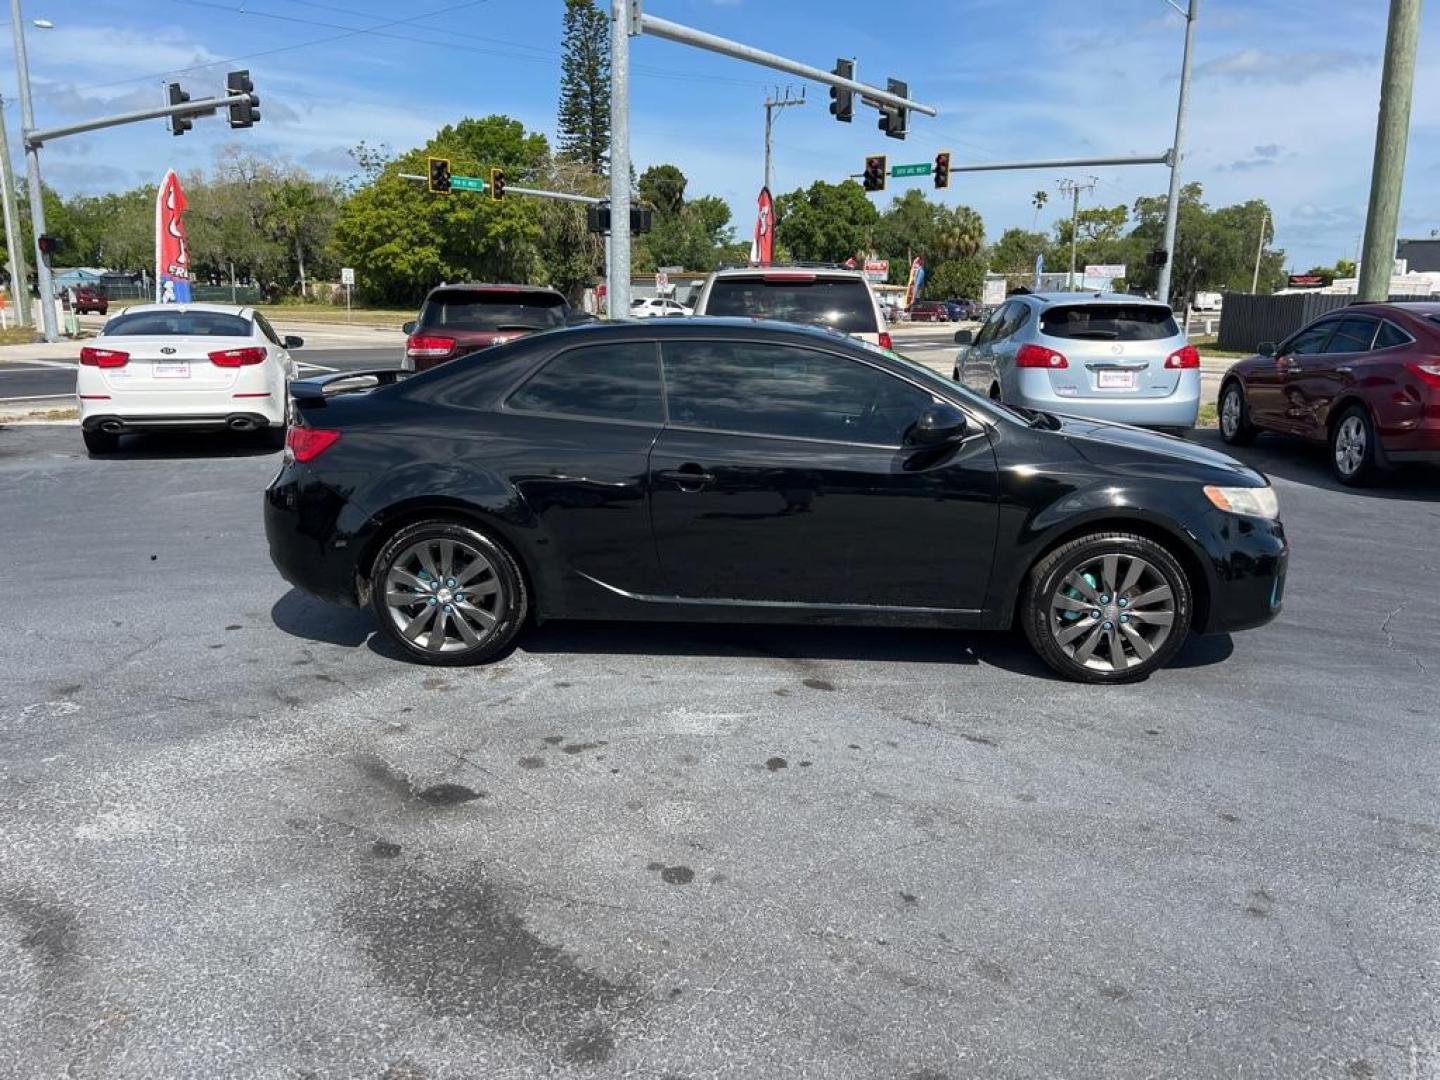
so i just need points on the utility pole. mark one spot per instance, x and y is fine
(32, 173)
(1073, 189)
(1259, 250)
(14, 237)
(1177, 151)
(621, 26)
(771, 104)
(1397, 87)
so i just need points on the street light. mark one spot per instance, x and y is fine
(1172, 204)
(32, 169)
(19, 278)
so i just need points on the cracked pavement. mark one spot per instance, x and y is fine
(240, 838)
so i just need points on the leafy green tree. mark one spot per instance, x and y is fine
(956, 278)
(825, 222)
(403, 240)
(1214, 249)
(959, 234)
(905, 229)
(1014, 253)
(585, 85)
(663, 187)
(300, 214)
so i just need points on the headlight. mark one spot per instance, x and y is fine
(1252, 502)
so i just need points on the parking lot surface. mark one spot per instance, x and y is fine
(240, 837)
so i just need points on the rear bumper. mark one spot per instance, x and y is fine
(1417, 444)
(308, 544)
(117, 424)
(1179, 408)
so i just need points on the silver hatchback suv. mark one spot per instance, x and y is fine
(1104, 356)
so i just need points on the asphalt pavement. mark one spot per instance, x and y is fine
(239, 836)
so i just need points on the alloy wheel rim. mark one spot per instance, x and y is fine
(443, 595)
(1350, 445)
(1230, 413)
(1112, 612)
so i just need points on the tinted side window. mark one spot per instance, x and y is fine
(767, 389)
(1354, 334)
(841, 303)
(992, 324)
(266, 329)
(1391, 335)
(605, 382)
(1016, 316)
(1308, 342)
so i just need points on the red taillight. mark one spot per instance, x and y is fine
(1040, 356)
(1187, 356)
(307, 443)
(1427, 371)
(788, 277)
(886, 342)
(107, 358)
(238, 357)
(428, 347)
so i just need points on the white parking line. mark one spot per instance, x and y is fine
(38, 397)
(314, 367)
(21, 370)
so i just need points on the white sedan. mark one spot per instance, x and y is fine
(184, 367)
(656, 307)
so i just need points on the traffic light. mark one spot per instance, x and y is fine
(641, 219)
(243, 114)
(597, 218)
(48, 245)
(874, 173)
(895, 121)
(178, 124)
(942, 169)
(440, 175)
(1157, 258)
(842, 102)
(497, 183)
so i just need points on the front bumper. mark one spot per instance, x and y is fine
(1179, 409)
(1249, 558)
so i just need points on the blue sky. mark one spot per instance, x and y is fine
(1283, 105)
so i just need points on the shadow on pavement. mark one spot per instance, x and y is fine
(173, 445)
(302, 616)
(1303, 462)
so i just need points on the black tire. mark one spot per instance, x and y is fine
(503, 612)
(1353, 448)
(1241, 432)
(1059, 636)
(100, 442)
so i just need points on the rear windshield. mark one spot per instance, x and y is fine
(177, 324)
(843, 305)
(493, 311)
(1109, 322)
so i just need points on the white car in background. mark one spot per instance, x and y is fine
(656, 307)
(183, 367)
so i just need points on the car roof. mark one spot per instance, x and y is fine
(219, 309)
(1422, 308)
(496, 287)
(837, 272)
(1086, 298)
(702, 325)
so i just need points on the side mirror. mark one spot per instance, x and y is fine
(964, 337)
(293, 342)
(936, 426)
(1267, 348)
(409, 327)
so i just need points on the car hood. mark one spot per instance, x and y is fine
(1122, 446)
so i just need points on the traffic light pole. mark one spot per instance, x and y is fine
(1177, 150)
(624, 21)
(14, 239)
(203, 107)
(32, 180)
(539, 193)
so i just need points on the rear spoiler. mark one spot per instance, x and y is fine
(312, 393)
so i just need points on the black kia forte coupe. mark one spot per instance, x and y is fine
(746, 471)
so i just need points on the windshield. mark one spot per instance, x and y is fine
(1109, 322)
(842, 304)
(492, 311)
(177, 323)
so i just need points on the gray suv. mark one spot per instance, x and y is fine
(1103, 356)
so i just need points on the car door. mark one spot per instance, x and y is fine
(1313, 381)
(1006, 344)
(1265, 387)
(975, 361)
(780, 478)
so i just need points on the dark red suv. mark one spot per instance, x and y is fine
(91, 298)
(460, 319)
(929, 311)
(1364, 379)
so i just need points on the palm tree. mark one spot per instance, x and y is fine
(298, 213)
(959, 233)
(1038, 200)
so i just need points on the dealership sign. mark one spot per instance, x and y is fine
(877, 269)
(1306, 281)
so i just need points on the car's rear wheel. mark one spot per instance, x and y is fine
(1352, 447)
(447, 593)
(100, 442)
(1235, 426)
(1107, 608)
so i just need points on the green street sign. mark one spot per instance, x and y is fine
(474, 183)
(922, 169)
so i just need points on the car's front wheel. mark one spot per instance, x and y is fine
(1107, 608)
(1235, 426)
(447, 593)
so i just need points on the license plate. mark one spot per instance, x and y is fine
(172, 369)
(1117, 380)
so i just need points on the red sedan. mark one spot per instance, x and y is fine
(929, 311)
(1365, 380)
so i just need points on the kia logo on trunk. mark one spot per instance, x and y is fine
(166, 350)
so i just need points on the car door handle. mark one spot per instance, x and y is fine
(688, 477)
